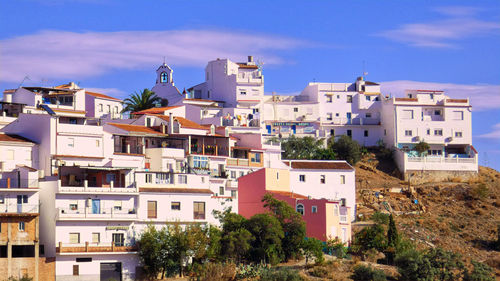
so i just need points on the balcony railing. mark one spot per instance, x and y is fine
(102, 213)
(94, 247)
(237, 162)
(19, 208)
(15, 183)
(84, 188)
(431, 159)
(354, 121)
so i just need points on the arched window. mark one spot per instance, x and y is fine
(300, 209)
(164, 77)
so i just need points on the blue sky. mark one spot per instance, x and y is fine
(115, 46)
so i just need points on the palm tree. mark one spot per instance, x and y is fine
(140, 101)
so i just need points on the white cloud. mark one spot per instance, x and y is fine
(71, 55)
(482, 97)
(495, 134)
(461, 23)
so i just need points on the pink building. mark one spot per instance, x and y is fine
(325, 219)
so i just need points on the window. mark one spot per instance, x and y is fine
(437, 112)
(118, 239)
(255, 110)
(71, 142)
(176, 206)
(2, 199)
(366, 133)
(243, 93)
(428, 131)
(242, 173)
(234, 193)
(182, 179)
(408, 133)
(342, 179)
(432, 96)
(329, 99)
(255, 158)
(221, 190)
(22, 199)
(322, 179)
(200, 162)
(314, 209)
(151, 209)
(74, 238)
(349, 99)
(338, 96)
(336, 210)
(76, 270)
(349, 133)
(233, 174)
(73, 121)
(302, 178)
(164, 77)
(108, 108)
(118, 205)
(458, 115)
(277, 175)
(96, 237)
(73, 205)
(367, 98)
(110, 178)
(295, 109)
(438, 132)
(300, 209)
(329, 116)
(100, 107)
(368, 115)
(407, 114)
(149, 178)
(97, 143)
(21, 226)
(458, 134)
(199, 210)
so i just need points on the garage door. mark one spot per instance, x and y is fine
(111, 271)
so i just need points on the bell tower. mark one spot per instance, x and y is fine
(165, 87)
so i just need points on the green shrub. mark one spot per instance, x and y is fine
(319, 271)
(337, 248)
(216, 271)
(346, 149)
(479, 192)
(380, 218)
(281, 274)
(481, 272)
(249, 270)
(366, 273)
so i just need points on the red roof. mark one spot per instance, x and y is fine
(184, 122)
(319, 165)
(98, 95)
(136, 128)
(288, 194)
(155, 110)
(246, 66)
(14, 138)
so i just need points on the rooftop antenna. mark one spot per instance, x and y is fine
(24, 79)
(260, 64)
(164, 60)
(365, 73)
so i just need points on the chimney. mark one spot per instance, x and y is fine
(170, 123)
(163, 129)
(250, 58)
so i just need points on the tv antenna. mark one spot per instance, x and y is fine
(24, 79)
(365, 73)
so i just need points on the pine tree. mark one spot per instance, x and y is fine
(392, 233)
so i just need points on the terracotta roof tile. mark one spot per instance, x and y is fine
(175, 190)
(135, 128)
(99, 95)
(406, 99)
(246, 66)
(14, 138)
(319, 165)
(288, 194)
(155, 110)
(184, 122)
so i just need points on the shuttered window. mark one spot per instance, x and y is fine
(152, 209)
(199, 210)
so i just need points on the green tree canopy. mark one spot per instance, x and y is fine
(305, 148)
(346, 149)
(145, 99)
(268, 233)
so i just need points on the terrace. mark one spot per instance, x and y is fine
(95, 180)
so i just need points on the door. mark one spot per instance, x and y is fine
(294, 129)
(21, 199)
(349, 117)
(111, 271)
(118, 239)
(96, 206)
(268, 128)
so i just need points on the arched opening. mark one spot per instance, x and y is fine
(300, 209)
(164, 77)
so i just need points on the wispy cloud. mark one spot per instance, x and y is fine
(71, 55)
(494, 134)
(114, 92)
(461, 23)
(483, 97)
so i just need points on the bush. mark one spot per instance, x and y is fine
(249, 270)
(346, 149)
(380, 218)
(319, 271)
(313, 247)
(216, 271)
(373, 237)
(479, 192)
(481, 272)
(422, 147)
(281, 274)
(336, 248)
(366, 273)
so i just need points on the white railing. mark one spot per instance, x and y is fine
(237, 162)
(91, 189)
(343, 218)
(19, 208)
(105, 213)
(430, 159)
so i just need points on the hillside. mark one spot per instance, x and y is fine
(457, 216)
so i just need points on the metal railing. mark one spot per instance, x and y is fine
(16, 183)
(88, 212)
(95, 247)
(19, 208)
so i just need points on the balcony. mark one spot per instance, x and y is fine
(84, 187)
(88, 247)
(353, 121)
(79, 129)
(238, 162)
(14, 183)
(436, 163)
(19, 208)
(213, 150)
(249, 79)
(102, 214)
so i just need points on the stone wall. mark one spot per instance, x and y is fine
(419, 177)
